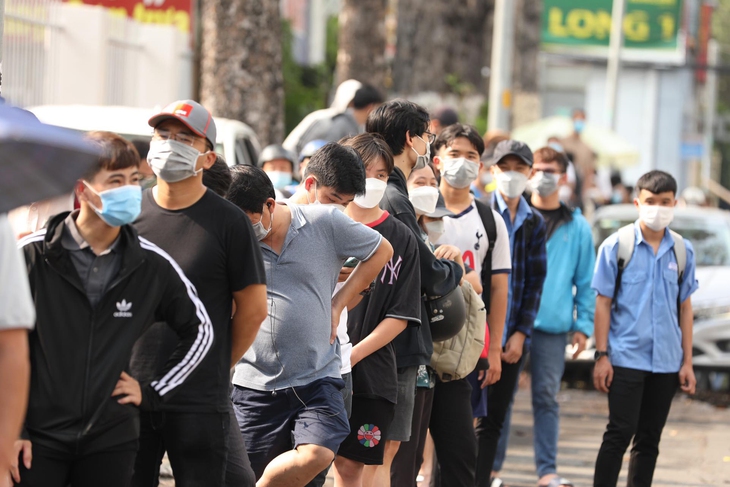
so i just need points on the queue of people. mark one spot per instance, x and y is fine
(260, 332)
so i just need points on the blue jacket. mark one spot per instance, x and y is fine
(571, 258)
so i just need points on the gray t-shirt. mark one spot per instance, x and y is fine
(292, 348)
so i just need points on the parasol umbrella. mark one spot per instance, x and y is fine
(38, 161)
(610, 148)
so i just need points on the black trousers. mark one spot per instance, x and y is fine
(489, 429)
(452, 429)
(238, 471)
(638, 406)
(409, 458)
(196, 444)
(51, 468)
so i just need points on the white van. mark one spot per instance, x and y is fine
(235, 140)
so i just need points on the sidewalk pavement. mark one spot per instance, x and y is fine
(694, 451)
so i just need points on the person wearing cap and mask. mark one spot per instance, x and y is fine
(527, 233)
(287, 386)
(215, 245)
(404, 127)
(564, 314)
(278, 163)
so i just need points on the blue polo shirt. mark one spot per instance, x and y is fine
(644, 332)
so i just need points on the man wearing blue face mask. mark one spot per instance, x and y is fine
(97, 287)
(215, 245)
(278, 164)
(580, 153)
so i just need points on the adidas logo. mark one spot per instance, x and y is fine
(123, 308)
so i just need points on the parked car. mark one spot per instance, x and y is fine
(235, 141)
(708, 229)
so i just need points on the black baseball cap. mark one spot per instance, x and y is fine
(512, 148)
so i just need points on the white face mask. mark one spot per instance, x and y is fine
(374, 191)
(434, 230)
(656, 217)
(511, 183)
(259, 230)
(173, 161)
(424, 199)
(422, 160)
(459, 172)
(544, 183)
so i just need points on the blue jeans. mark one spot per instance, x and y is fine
(547, 363)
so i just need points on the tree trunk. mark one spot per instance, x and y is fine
(361, 51)
(441, 45)
(241, 64)
(526, 106)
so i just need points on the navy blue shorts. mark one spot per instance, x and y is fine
(272, 424)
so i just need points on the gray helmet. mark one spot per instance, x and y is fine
(276, 151)
(447, 315)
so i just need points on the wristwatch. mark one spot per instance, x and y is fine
(599, 354)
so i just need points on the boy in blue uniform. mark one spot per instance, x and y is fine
(644, 341)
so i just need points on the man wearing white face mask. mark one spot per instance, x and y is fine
(214, 244)
(458, 156)
(404, 127)
(384, 312)
(643, 328)
(526, 229)
(571, 257)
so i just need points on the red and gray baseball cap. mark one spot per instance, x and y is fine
(192, 114)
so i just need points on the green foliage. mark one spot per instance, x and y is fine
(306, 87)
(481, 121)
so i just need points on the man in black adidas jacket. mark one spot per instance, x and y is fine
(97, 287)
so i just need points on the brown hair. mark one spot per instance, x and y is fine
(116, 153)
(548, 154)
(371, 146)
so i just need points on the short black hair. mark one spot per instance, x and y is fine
(548, 154)
(393, 119)
(370, 147)
(142, 146)
(218, 177)
(338, 167)
(250, 188)
(657, 182)
(116, 153)
(456, 130)
(366, 95)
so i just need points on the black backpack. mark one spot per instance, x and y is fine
(487, 217)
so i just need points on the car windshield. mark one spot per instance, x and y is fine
(710, 237)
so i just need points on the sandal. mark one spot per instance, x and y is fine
(497, 482)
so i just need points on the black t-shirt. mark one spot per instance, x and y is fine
(214, 244)
(396, 294)
(555, 218)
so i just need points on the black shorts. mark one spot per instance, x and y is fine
(369, 422)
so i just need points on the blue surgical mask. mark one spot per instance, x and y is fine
(579, 125)
(119, 206)
(279, 179)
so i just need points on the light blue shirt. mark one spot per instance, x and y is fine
(524, 211)
(644, 332)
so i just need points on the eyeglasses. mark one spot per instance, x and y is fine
(164, 134)
(429, 137)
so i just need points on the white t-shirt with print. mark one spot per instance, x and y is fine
(467, 233)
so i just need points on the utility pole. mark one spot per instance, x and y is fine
(713, 57)
(500, 82)
(614, 60)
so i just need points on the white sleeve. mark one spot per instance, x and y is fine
(16, 304)
(501, 256)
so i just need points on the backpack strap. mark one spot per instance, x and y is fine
(680, 253)
(487, 216)
(626, 240)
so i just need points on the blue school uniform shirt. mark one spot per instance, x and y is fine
(644, 332)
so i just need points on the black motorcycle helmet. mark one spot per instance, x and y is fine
(447, 315)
